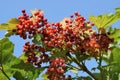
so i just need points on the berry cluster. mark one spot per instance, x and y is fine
(72, 34)
(32, 52)
(96, 43)
(30, 24)
(67, 34)
(56, 70)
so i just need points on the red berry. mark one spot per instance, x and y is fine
(63, 65)
(92, 24)
(71, 16)
(69, 43)
(57, 60)
(76, 13)
(62, 71)
(52, 69)
(23, 11)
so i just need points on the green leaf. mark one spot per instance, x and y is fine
(10, 25)
(59, 53)
(100, 77)
(37, 39)
(6, 50)
(116, 59)
(23, 57)
(9, 33)
(14, 66)
(104, 21)
(115, 34)
(82, 78)
(113, 61)
(2, 77)
(21, 71)
(107, 57)
(44, 77)
(114, 75)
(118, 12)
(74, 70)
(13, 21)
(19, 76)
(27, 71)
(119, 77)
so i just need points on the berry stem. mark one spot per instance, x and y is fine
(99, 66)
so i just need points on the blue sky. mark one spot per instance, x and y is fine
(55, 10)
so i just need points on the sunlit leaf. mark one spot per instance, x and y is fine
(44, 77)
(23, 57)
(37, 38)
(10, 25)
(74, 71)
(104, 21)
(118, 12)
(117, 9)
(9, 33)
(13, 21)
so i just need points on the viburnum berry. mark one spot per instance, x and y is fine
(33, 58)
(30, 26)
(76, 13)
(52, 69)
(23, 11)
(56, 69)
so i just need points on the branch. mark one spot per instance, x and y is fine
(1, 68)
(83, 67)
(87, 71)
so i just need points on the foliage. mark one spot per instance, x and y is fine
(56, 48)
(14, 66)
(106, 20)
(10, 25)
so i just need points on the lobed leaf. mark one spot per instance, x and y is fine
(106, 20)
(115, 34)
(14, 66)
(6, 50)
(44, 77)
(118, 12)
(103, 21)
